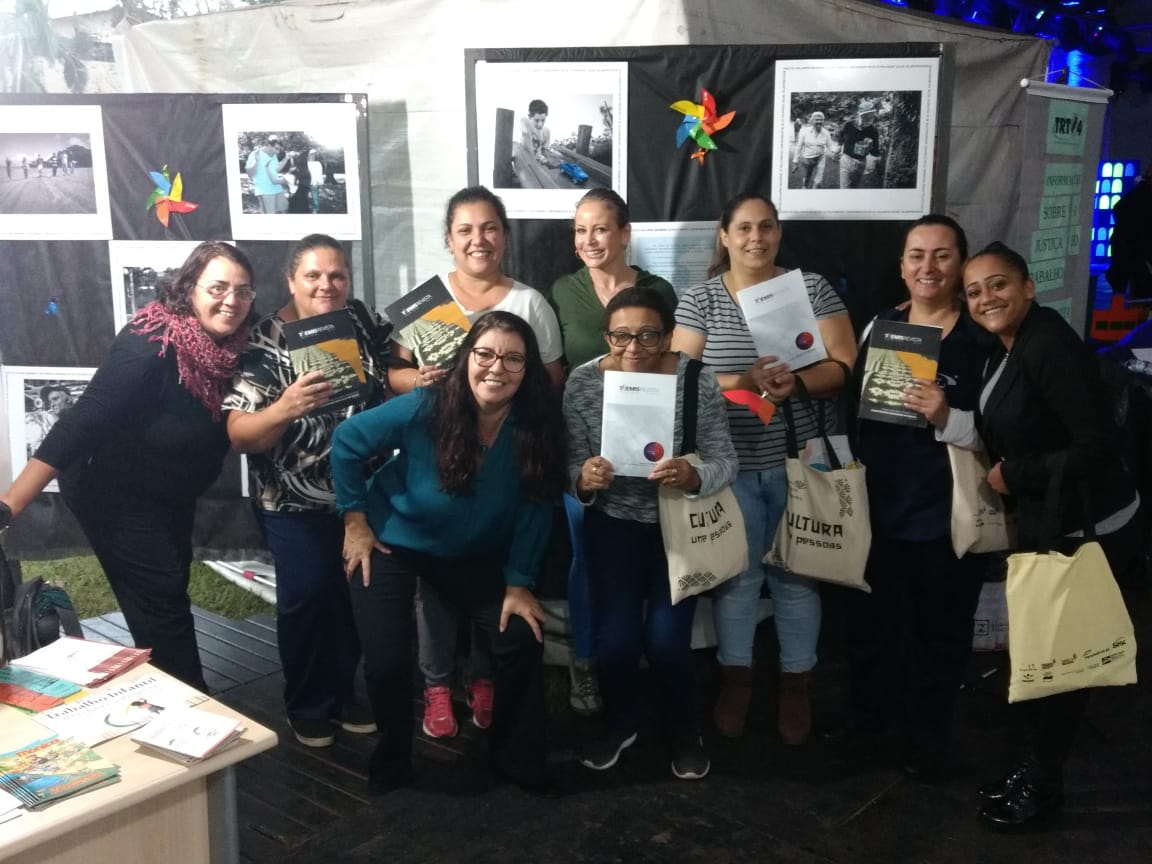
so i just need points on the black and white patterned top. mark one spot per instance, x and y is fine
(709, 309)
(295, 475)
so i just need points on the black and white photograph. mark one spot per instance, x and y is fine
(36, 399)
(137, 270)
(293, 169)
(54, 181)
(854, 138)
(548, 132)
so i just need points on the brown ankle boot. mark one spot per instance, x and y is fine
(795, 719)
(732, 705)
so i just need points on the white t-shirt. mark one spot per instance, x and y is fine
(316, 172)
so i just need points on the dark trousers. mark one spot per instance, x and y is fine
(145, 549)
(383, 613)
(1050, 723)
(628, 574)
(319, 650)
(910, 639)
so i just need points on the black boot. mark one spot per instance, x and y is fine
(1003, 787)
(1032, 801)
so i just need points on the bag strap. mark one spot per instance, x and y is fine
(691, 406)
(793, 445)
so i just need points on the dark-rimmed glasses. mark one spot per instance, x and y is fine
(622, 338)
(486, 357)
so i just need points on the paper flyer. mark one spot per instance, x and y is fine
(780, 317)
(639, 421)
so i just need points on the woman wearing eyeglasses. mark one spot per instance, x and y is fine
(465, 507)
(145, 440)
(601, 231)
(626, 563)
(711, 327)
(270, 418)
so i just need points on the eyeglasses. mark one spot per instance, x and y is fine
(622, 338)
(486, 357)
(220, 290)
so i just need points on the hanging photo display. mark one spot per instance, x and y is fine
(36, 399)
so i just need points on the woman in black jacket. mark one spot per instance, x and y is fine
(1043, 415)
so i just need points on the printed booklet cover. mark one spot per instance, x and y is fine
(780, 318)
(53, 768)
(81, 661)
(897, 353)
(639, 421)
(430, 323)
(189, 734)
(327, 343)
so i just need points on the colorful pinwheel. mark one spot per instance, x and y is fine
(700, 123)
(168, 196)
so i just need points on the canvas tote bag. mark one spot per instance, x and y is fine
(703, 535)
(979, 523)
(1068, 627)
(825, 532)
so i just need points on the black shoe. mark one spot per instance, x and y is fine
(312, 733)
(689, 761)
(1027, 807)
(356, 718)
(998, 790)
(603, 754)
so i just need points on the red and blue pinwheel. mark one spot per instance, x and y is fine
(168, 196)
(700, 123)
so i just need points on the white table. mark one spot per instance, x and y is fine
(160, 811)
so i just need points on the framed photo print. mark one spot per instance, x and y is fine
(855, 139)
(137, 270)
(548, 132)
(293, 169)
(54, 179)
(36, 398)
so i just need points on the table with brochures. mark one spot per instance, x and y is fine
(160, 810)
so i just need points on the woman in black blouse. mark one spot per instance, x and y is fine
(145, 440)
(1043, 414)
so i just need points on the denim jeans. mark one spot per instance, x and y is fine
(634, 615)
(762, 496)
(581, 621)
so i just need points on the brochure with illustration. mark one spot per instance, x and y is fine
(639, 421)
(327, 343)
(189, 734)
(31, 691)
(780, 318)
(53, 768)
(430, 323)
(898, 352)
(104, 714)
(81, 661)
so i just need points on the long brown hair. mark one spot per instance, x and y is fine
(539, 425)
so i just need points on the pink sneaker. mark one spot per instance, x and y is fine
(439, 722)
(480, 695)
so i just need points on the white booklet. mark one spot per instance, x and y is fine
(189, 734)
(106, 713)
(781, 320)
(639, 420)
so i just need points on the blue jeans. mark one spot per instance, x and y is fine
(634, 615)
(581, 621)
(319, 649)
(762, 496)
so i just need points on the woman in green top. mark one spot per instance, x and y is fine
(602, 230)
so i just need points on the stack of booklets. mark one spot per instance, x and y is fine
(88, 664)
(31, 691)
(189, 734)
(53, 768)
(109, 712)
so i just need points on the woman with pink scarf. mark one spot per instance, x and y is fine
(145, 440)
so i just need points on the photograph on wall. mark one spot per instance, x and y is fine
(293, 169)
(548, 132)
(855, 138)
(138, 269)
(54, 180)
(36, 398)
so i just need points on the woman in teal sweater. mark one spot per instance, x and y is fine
(464, 505)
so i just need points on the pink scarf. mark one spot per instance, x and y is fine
(206, 366)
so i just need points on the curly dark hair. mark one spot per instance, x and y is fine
(640, 298)
(539, 432)
(176, 293)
